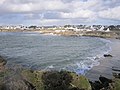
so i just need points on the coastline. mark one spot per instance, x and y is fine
(105, 68)
(19, 78)
(101, 34)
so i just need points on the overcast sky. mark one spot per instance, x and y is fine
(59, 12)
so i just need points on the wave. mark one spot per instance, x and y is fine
(81, 67)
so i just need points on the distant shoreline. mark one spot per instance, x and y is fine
(18, 30)
(101, 34)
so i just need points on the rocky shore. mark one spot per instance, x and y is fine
(24, 79)
(102, 34)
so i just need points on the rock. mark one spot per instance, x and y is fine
(2, 64)
(103, 84)
(116, 69)
(107, 55)
(10, 80)
(14, 84)
(116, 84)
(96, 85)
(34, 77)
(116, 75)
(81, 82)
(2, 61)
(104, 80)
(117, 37)
(30, 85)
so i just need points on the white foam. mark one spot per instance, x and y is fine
(51, 34)
(51, 66)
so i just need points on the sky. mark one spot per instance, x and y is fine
(59, 12)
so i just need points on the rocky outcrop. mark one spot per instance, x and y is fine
(43, 80)
(9, 80)
(54, 80)
(101, 34)
(15, 84)
(106, 84)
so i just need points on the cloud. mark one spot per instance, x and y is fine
(78, 14)
(77, 4)
(17, 6)
(57, 11)
(36, 6)
(42, 22)
(2, 1)
(111, 13)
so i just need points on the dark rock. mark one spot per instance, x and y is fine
(104, 80)
(2, 63)
(116, 75)
(30, 85)
(107, 55)
(115, 69)
(96, 85)
(103, 84)
(117, 37)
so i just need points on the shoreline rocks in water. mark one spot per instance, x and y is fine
(108, 55)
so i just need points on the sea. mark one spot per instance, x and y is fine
(51, 52)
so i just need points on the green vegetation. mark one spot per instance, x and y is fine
(83, 82)
(34, 77)
(54, 80)
(116, 84)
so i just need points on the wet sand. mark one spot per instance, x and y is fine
(107, 63)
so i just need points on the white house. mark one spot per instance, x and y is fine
(101, 29)
(108, 30)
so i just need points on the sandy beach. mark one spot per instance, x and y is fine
(107, 63)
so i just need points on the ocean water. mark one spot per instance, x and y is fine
(47, 52)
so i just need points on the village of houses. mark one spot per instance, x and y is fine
(68, 30)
